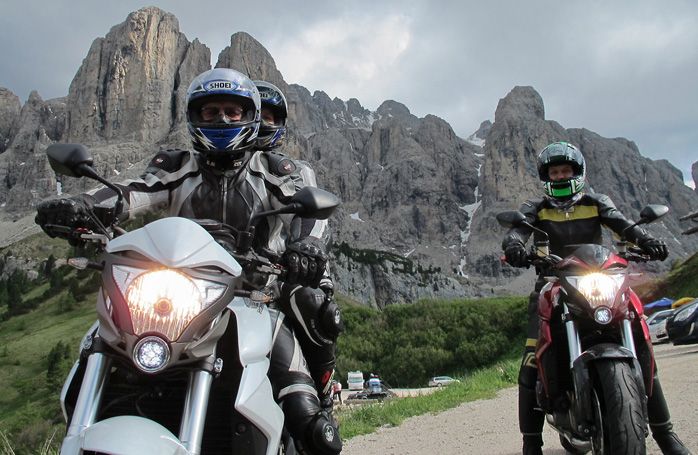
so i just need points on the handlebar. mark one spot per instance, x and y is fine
(632, 254)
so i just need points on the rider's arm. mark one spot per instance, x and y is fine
(521, 234)
(611, 217)
(151, 191)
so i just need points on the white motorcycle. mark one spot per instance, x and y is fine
(177, 362)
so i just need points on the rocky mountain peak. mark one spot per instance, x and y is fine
(130, 79)
(521, 102)
(418, 202)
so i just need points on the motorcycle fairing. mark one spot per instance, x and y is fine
(195, 246)
(107, 436)
(254, 329)
(549, 295)
(591, 256)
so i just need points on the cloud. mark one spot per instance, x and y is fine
(622, 69)
(344, 56)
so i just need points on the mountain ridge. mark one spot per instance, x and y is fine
(413, 191)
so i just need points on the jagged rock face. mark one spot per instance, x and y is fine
(26, 176)
(9, 116)
(132, 84)
(417, 218)
(614, 167)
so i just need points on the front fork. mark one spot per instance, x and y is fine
(92, 390)
(575, 344)
(581, 413)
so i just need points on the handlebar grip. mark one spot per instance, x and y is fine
(58, 229)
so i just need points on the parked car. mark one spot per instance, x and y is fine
(657, 325)
(439, 381)
(682, 325)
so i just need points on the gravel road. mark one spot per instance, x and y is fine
(491, 426)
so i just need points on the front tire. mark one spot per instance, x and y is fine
(620, 410)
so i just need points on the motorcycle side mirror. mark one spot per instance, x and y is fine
(74, 160)
(311, 202)
(649, 214)
(308, 202)
(653, 212)
(69, 159)
(510, 218)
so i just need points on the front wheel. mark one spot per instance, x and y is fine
(619, 410)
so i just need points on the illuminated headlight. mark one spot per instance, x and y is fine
(164, 300)
(151, 354)
(598, 288)
(603, 315)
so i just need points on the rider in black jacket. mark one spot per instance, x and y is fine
(570, 216)
(232, 173)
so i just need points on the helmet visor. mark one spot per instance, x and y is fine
(221, 110)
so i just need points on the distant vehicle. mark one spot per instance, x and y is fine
(355, 380)
(439, 381)
(682, 326)
(657, 325)
(374, 384)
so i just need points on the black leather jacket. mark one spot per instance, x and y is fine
(579, 224)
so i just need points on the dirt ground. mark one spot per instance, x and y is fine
(491, 426)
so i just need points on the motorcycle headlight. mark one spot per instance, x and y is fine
(164, 300)
(151, 354)
(598, 288)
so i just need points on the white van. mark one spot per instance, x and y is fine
(355, 380)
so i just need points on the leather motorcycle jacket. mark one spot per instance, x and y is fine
(179, 181)
(580, 223)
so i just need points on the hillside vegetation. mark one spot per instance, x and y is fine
(40, 335)
(680, 282)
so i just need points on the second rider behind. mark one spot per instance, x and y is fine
(231, 175)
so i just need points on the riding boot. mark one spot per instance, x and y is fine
(530, 421)
(532, 444)
(667, 440)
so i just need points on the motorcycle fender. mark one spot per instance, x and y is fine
(582, 379)
(125, 435)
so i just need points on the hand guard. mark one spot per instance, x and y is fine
(305, 263)
(70, 213)
(655, 249)
(515, 254)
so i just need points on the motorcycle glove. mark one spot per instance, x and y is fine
(71, 213)
(515, 254)
(656, 249)
(306, 264)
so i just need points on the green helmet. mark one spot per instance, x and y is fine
(561, 153)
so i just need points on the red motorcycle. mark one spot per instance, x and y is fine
(592, 381)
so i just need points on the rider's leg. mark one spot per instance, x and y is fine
(531, 418)
(313, 429)
(317, 322)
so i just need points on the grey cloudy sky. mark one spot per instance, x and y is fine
(622, 68)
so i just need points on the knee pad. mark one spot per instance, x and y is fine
(528, 375)
(322, 437)
(318, 316)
